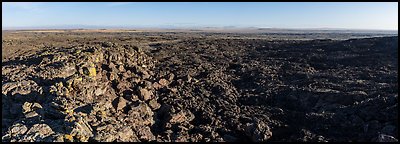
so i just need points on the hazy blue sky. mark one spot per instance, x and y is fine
(370, 15)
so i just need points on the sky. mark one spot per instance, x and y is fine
(343, 15)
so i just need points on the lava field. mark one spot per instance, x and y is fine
(197, 87)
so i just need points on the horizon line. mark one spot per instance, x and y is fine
(166, 26)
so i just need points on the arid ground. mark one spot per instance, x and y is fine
(116, 85)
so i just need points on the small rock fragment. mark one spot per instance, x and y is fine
(8, 87)
(182, 116)
(171, 77)
(126, 135)
(145, 94)
(121, 68)
(100, 91)
(112, 66)
(145, 75)
(386, 138)
(112, 76)
(119, 103)
(107, 44)
(148, 84)
(26, 107)
(36, 106)
(82, 131)
(156, 85)
(69, 138)
(163, 82)
(145, 133)
(92, 72)
(37, 133)
(141, 114)
(67, 72)
(154, 104)
(258, 131)
(188, 78)
(18, 129)
(31, 114)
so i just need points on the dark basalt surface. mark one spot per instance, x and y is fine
(140, 87)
